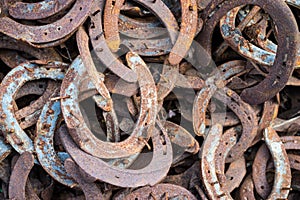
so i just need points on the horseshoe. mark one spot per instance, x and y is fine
(43, 143)
(228, 140)
(242, 25)
(101, 48)
(252, 52)
(235, 174)
(287, 44)
(39, 10)
(258, 168)
(110, 23)
(19, 176)
(208, 158)
(50, 32)
(41, 54)
(188, 29)
(12, 82)
(79, 130)
(150, 175)
(96, 77)
(282, 182)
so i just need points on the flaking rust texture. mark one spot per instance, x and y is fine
(149, 99)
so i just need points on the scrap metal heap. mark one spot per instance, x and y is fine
(149, 99)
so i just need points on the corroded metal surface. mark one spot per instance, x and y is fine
(39, 10)
(149, 99)
(19, 176)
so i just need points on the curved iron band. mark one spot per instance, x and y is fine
(153, 173)
(50, 32)
(188, 29)
(42, 54)
(208, 169)
(101, 48)
(110, 23)
(44, 146)
(81, 133)
(282, 182)
(19, 176)
(39, 10)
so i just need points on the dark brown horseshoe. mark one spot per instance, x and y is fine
(149, 175)
(19, 176)
(287, 43)
(42, 54)
(39, 10)
(51, 32)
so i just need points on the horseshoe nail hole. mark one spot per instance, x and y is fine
(117, 176)
(231, 178)
(191, 8)
(136, 198)
(80, 8)
(208, 171)
(220, 154)
(96, 12)
(226, 143)
(229, 156)
(58, 28)
(262, 187)
(113, 3)
(224, 70)
(71, 20)
(249, 118)
(45, 33)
